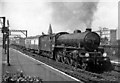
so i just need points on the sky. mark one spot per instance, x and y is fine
(64, 15)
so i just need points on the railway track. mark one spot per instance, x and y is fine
(89, 77)
(85, 76)
(117, 67)
(115, 73)
(112, 75)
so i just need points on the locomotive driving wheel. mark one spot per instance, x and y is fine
(74, 64)
(57, 58)
(66, 59)
(71, 62)
(62, 59)
(84, 66)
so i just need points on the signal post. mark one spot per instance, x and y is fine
(7, 39)
(5, 31)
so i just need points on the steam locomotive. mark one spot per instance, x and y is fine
(78, 49)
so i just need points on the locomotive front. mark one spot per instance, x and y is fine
(95, 56)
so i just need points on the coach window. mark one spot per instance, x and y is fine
(36, 41)
(32, 41)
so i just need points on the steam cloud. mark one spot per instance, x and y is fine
(71, 15)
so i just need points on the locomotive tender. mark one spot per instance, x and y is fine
(79, 49)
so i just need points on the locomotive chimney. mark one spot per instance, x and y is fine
(50, 30)
(88, 29)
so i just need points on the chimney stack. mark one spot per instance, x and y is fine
(50, 29)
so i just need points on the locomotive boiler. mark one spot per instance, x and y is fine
(87, 40)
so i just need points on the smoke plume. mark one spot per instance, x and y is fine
(72, 15)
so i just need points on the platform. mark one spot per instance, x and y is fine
(32, 67)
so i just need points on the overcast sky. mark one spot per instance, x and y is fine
(36, 15)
